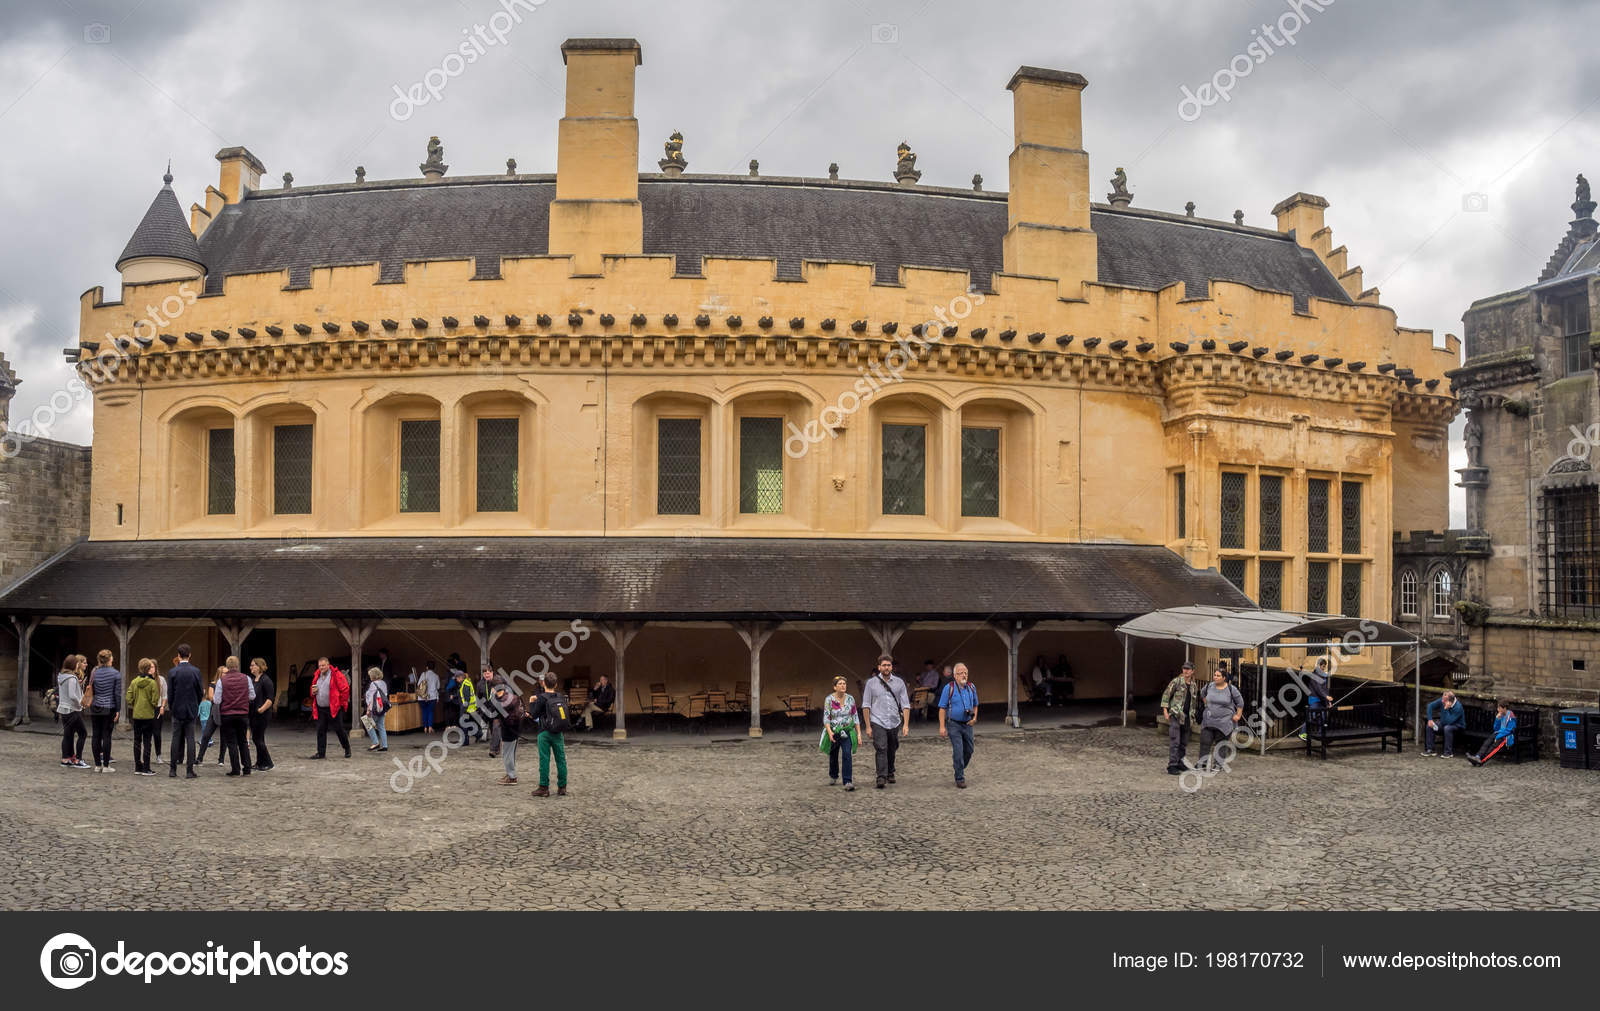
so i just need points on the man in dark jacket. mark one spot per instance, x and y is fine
(185, 689)
(237, 692)
(1446, 717)
(600, 701)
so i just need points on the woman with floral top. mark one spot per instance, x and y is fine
(839, 720)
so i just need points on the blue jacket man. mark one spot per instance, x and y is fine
(1446, 716)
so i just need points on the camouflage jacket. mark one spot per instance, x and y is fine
(1180, 699)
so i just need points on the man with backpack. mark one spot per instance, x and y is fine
(549, 713)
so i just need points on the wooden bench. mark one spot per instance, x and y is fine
(1351, 725)
(1480, 727)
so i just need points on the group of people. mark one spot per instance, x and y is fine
(1448, 717)
(884, 714)
(237, 704)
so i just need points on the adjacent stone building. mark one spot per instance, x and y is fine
(702, 412)
(44, 508)
(1533, 476)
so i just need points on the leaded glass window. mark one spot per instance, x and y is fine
(1408, 592)
(1233, 492)
(499, 445)
(1271, 512)
(291, 469)
(1441, 594)
(419, 466)
(1317, 587)
(1317, 514)
(1233, 570)
(761, 465)
(905, 470)
(1571, 562)
(1350, 517)
(1350, 589)
(1271, 592)
(219, 472)
(1181, 492)
(678, 466)
(980, 472)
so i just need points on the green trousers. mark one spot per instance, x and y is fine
(549, 742)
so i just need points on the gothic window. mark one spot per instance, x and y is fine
(1408, 592)
(678, 466)
(219, 472)
(291, 469)
(1233, 507)
(1441, 594)
(905, 470)
(498, 454)
(1271, 512)
(419, 466)
(761, 465)
(980, 472)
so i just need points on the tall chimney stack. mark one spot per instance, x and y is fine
(1048, 232)
(241, 173)
(596, 211)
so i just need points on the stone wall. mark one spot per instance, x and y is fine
(44, 507)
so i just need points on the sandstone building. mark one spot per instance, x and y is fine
(706, 414)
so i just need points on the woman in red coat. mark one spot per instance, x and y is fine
(330, 696)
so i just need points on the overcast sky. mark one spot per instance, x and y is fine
(1446, 136)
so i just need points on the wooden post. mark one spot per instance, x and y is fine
(886, 633)
(355, 632)
(25, 628)
(755, 635)
(124, 629)
(1011, 633)
(619, 634)
(485, 634)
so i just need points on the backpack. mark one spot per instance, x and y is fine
(52, 698)
(553, 718)
(380, 702)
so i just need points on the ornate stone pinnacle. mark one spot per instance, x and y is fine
(1119, 195)
(674, 164)
(434, 168)
(833, 171)
(905, 169)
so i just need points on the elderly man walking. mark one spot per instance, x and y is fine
(1178, 707)
(958, 712)
(886, 711)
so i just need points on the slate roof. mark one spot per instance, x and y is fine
(789, 220)
(614, 577)
(163, 231)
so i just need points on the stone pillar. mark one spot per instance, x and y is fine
(619, 634)
(755, 635)
(1196, 550)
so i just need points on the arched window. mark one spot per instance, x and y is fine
(1408, 592)
(1441, 594)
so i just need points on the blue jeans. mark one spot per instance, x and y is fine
(426, 705)
(1449, 733)
(840, 747)
(380, 733)
(960, 747)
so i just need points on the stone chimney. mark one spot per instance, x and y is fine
(1047, 233)
(596, 211)
(241, 173)
(1302, 215)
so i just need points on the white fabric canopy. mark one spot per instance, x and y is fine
(1246, 628)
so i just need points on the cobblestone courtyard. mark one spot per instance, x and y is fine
(1061, 819)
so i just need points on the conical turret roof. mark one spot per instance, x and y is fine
(163, 232)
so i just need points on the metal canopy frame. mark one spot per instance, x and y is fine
(1243, 628)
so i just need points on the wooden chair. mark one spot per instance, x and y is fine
(698, 713)
(660, 688)
(717, 703)
(796, 707)
(578, 694)
(921, 699)
(740, 703)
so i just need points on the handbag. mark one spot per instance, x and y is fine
(369, 723)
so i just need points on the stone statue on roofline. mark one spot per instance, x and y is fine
(1584, 205)
(674, 164)
(1583, 189)
(1119, 195)
(434, 168)
(905, 169)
